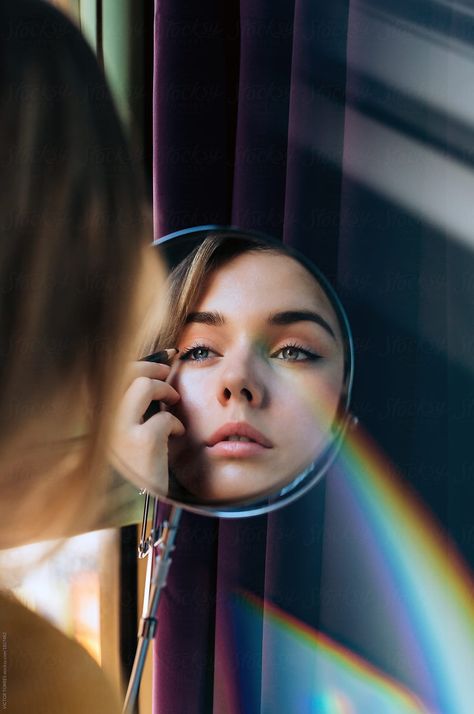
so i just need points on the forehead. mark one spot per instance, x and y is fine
(263, 281)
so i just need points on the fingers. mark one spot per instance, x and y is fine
(140, 447)
(167, 422)
(140, 451)
(151, 370)
(141, 393)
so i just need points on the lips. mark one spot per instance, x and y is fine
(238, 433)
(238, 441)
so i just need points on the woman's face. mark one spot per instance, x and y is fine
(259, 372)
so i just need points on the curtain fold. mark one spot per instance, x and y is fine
(194, 135)
(221, 120)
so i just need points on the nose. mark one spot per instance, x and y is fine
(239, 381)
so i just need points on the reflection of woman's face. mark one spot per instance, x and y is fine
(260, 372)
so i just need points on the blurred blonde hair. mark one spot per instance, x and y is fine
(76, 273)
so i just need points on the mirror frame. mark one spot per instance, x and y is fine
(174, 247)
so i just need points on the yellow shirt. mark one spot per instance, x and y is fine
(44, 672)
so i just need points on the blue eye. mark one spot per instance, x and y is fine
(288, 353)
(295, 353)
(197, 354)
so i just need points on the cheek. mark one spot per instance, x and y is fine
(306, 415)
(309, 401)
(195, 392)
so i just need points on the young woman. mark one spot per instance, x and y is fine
(77, 278)
(260, 370)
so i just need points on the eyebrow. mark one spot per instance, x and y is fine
(287, 317)
(206, 318)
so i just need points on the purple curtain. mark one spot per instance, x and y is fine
(257, 108)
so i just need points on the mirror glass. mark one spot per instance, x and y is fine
(264, 371)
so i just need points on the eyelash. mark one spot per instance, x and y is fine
(310, 356)
(187, 353)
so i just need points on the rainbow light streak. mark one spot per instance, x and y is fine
(314, 674)
(434, 587)
(415, 563)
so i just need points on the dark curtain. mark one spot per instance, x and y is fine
(267, 115)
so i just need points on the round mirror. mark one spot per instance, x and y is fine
(264, 371)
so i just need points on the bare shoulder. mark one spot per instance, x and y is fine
(45, 671)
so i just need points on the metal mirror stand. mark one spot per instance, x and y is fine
(157, 547)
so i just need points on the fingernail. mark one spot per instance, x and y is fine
(172, 352)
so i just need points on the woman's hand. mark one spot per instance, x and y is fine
(140, 449)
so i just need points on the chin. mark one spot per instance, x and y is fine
(234, 484)
(218, 487)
